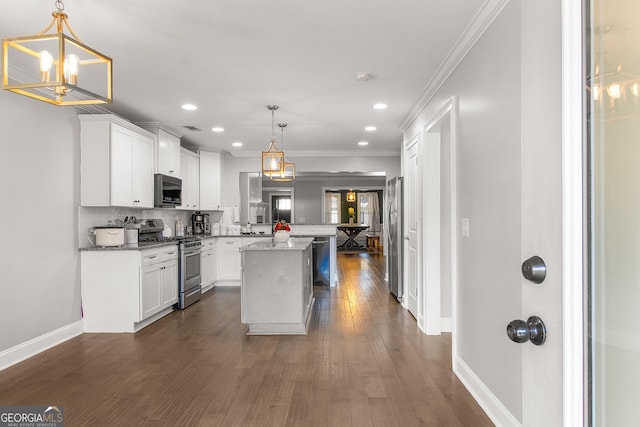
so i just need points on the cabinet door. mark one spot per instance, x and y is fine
(149, 291)
(169, 154)
(229, 260)
(210, 189)
(169, 283)
(121, 170)
(142, 171)
(207, 266)
(194, 182)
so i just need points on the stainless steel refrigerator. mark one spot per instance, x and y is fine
(394, 239)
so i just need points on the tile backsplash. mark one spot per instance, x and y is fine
(92, 217)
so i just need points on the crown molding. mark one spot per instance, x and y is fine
(476, 28)
(322, 153)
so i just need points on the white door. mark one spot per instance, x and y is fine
(412, 197)
(541, 209)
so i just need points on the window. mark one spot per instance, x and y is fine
(283, 204)
(363, 211)
(332, 208)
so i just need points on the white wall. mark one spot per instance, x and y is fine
(39, 171)
(487, 87)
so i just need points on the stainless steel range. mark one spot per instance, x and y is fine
(189, 289)
(189, 272)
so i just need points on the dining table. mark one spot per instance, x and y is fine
(352, 231)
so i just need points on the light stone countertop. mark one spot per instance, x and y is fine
(130, 246)
(293, 244)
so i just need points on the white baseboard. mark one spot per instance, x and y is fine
(494, 409)
(20, 352)
(446, 324)
(229, 283)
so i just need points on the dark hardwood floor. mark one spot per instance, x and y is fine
(363, 363)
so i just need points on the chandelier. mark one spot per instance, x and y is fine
(56, 68)
(289, 169)
(273, 158)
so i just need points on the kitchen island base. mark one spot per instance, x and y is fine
(277, 287)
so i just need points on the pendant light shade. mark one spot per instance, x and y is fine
(56, 68)
(351, 196)
(289, 170)
(273, 158)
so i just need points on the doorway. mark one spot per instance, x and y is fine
(439, 221)
(281, 204)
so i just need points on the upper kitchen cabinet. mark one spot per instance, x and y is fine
(210, 176)
(166, 148)
(116, 162)
(190, 169)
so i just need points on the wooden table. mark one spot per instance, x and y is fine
(352, 231)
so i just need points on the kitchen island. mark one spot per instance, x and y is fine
(277, 287)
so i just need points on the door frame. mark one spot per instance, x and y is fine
(431, 221)
(277, 191)
(573, 225)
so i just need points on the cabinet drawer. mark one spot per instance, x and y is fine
(232, 244)
(209, 243)
(169, 253)
(151, 256)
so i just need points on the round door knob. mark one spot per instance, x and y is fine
(533, 329)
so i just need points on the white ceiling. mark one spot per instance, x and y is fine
(233, 57)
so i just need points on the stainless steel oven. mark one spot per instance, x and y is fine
(189, 272)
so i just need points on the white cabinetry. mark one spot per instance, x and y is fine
(166, 150)
(210, 176)
(116, 162)
(158, 280)
(229, 259)
(209, 263)
(190, 169)
(125, 290)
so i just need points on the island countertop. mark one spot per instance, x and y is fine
(293, 244)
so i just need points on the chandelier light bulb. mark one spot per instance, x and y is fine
(635, 90)
(71, 65)
(274, 165)
(614, 91)
(46, 61)
(596, 92)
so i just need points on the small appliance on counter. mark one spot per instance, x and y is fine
(107, 235)
(200, 223)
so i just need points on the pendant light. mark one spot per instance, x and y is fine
(56, 68)
(351, 196)
(289, 171)
(273, 158)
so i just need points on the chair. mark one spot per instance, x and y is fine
(373, 243)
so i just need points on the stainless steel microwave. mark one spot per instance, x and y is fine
(167, 191)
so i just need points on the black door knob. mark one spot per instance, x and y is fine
(533, 329)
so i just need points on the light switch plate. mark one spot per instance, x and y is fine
(465, 227)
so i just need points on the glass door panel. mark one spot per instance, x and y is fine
(613, 128)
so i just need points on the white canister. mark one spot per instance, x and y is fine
(236, 229)
(131, 235)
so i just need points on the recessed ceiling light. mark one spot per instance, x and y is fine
(380, 106)
(237, 144)
(363, 77)
(363, 143)
(370, 128)
(189, 107)
(217, 129)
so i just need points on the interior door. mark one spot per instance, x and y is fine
(541, 211)
(412, 199)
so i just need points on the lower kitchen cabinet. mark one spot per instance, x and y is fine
(125, 290)
(208, 263)
(229, 259)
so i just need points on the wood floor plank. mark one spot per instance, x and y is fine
(363, 363)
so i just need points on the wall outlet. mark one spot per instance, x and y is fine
(464, 229)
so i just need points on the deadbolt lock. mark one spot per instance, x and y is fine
(532, 330)
(534, 269)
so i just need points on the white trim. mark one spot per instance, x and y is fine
(489, 11)
(490, 404)
(25, 350)
(572, 214)
(323, 153)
